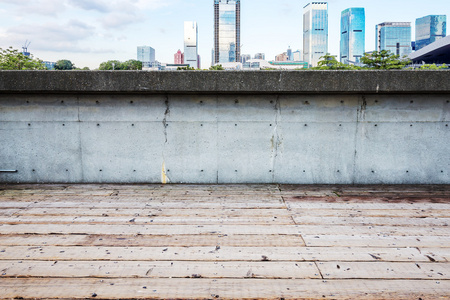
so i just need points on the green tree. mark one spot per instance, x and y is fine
(12, 59)
(384, 60)
(132, 64)
(117, 65)
(64, 64)
(329, 62)
(187, 68)
(216, 68)
(110, 65)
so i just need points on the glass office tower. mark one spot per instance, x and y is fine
(429, 29)
(191, 44)
(146, 55)
(394, 37)
(353, 35)
(227, 31)
(315, 32)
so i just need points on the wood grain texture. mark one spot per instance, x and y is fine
(224, 242)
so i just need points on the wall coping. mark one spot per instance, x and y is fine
(225, 82)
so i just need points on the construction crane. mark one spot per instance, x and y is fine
(25, 48)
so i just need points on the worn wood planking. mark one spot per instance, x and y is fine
(436, 254)
(154, 229)
(144, 205)
(385, 213)
(158, 269)
(379, 221)
(173, 220)
(363, 206)
(140, 288)
(260, 240)
(211, 253)
(169, 212)
(384, 270)
(376, 241)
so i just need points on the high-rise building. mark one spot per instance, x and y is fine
(394, 37)
(227, 31)
(260, 56)
(353, 35)
(289, 54)
(146, 55)
(191, 44)
(429, 29)
(315, 32)
(282, 57)
(245, 57)
(178, 58)
(297, 55)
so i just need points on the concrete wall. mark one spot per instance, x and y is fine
(225, 127)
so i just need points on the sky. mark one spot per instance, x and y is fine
(89, 32)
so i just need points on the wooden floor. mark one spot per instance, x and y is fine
(224, 242)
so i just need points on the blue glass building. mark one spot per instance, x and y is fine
(394, 37)
(353, 35)
(315, 32)
(429, 29)
(227, 31)
(146, 55)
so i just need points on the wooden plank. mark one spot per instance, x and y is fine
(436, 254)
(410, 213)
(202, 212)
(260, 240)
(392, 221)
(384, 270)
(376, 241)
(159, 269)
(211, 253)
(221, 229)
(364, 206)
(144, 205)
(114, 196)
(174, 220)
(141, 288)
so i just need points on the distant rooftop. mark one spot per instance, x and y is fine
(437, 52)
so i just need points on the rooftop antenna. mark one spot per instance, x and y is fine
(25, 48)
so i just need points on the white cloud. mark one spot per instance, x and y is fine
(98, 5)
(50, 36)
(38, 7)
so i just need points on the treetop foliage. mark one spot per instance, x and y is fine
(131, 64)
(64, 64)
(12, 59)
(383, 60)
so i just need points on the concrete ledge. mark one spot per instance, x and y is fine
(225, 82)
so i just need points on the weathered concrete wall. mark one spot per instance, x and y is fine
(225, 127)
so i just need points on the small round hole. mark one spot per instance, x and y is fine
(131, 102)
(62, 102)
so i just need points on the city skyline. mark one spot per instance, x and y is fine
(91, 32)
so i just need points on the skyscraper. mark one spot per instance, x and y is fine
(429, 29)
(191, 44)
(146, 55)
(178, 58)
(227, 31)
(353, 35)
(315, 32)
(394, 37)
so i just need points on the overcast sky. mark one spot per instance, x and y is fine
(88, 32)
